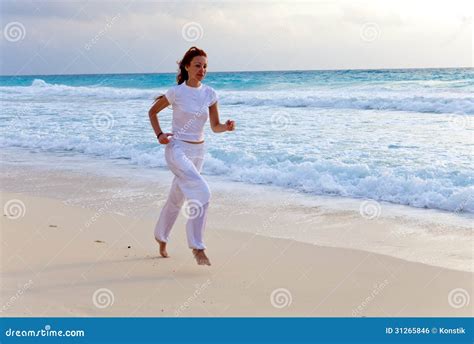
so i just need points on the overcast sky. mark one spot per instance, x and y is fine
(138, 36)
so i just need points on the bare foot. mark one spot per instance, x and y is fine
(163, 252)
(201, 257)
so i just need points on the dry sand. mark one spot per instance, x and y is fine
(64, 260)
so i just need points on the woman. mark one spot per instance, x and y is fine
(192, 102)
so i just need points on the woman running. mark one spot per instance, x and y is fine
(192, 102)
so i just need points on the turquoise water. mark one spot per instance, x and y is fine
(403, 136)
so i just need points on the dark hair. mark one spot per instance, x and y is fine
(186, 61)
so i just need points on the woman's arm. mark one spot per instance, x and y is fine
(159, 105)
(216, 126)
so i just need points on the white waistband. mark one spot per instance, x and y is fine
(186, 143)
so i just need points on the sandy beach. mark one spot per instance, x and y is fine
(61, 258)
(309, 165)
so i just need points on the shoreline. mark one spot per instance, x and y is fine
(429, 236)
(60, 262)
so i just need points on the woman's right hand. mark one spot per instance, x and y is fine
(163, 139)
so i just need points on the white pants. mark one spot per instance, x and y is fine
(185, 160)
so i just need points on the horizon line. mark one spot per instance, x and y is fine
(248, 71)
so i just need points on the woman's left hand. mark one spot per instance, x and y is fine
(230, 125)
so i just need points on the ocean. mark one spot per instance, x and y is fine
(400, 136)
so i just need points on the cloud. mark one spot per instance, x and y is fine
(146, 36)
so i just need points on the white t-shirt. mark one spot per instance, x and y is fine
(190, 110)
